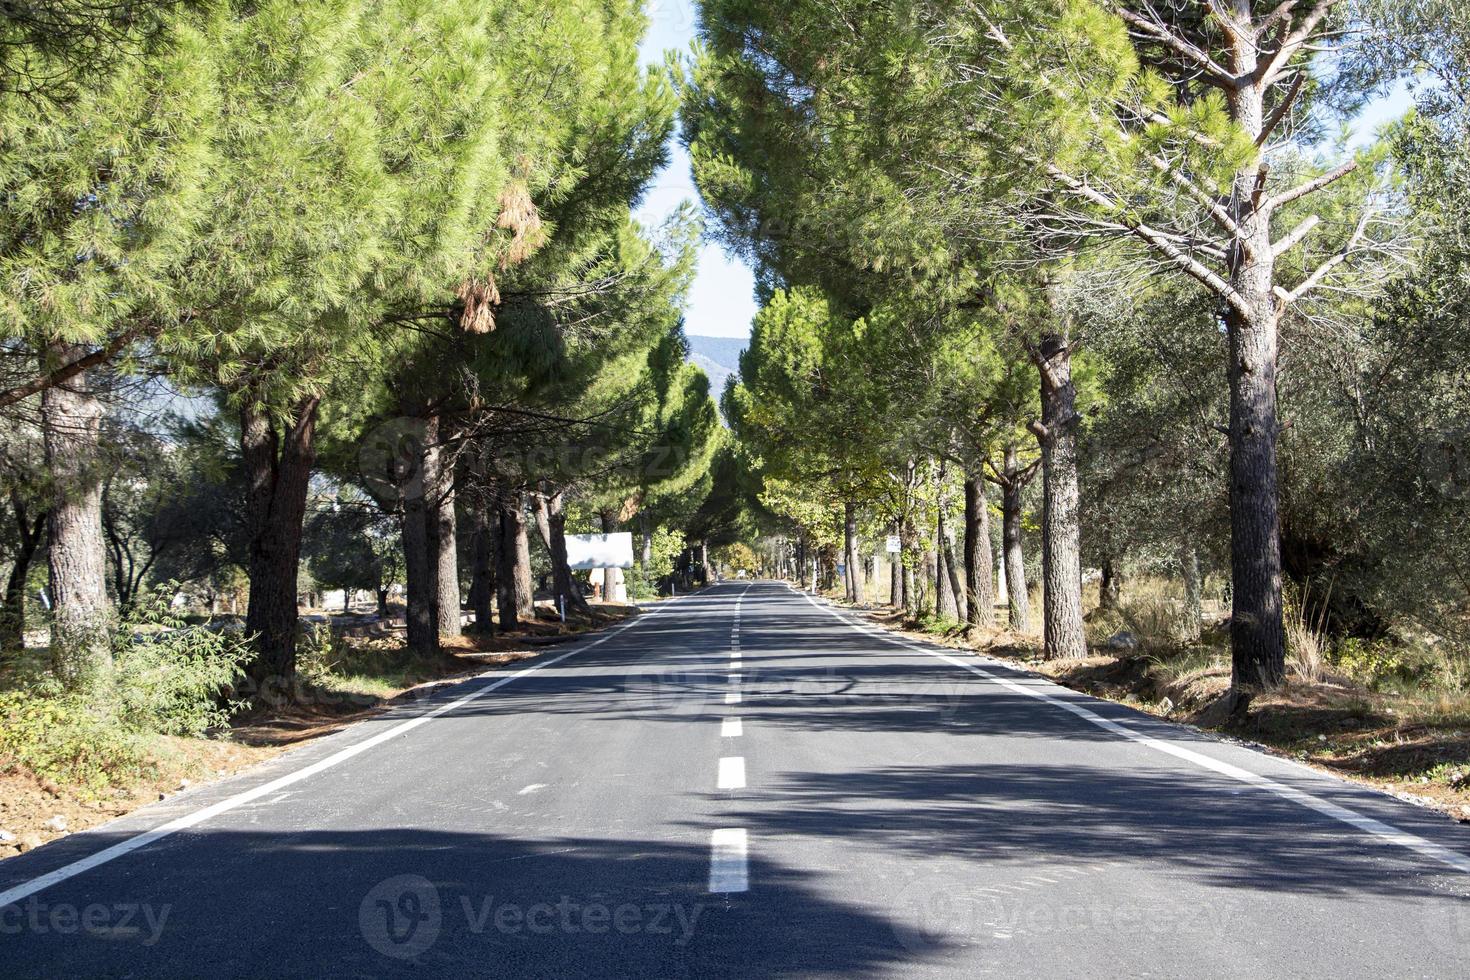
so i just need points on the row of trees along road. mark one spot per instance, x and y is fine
(386, 247)
(1083, 237)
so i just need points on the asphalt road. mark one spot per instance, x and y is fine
(745, 783)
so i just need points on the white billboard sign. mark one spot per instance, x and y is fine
(586, 551)
(894, 545)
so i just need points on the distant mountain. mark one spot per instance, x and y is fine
(718, 357)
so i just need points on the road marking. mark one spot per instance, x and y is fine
(34, 885)
(727, 861)
(732, 697)
(731, 728)
(1376, 828)
(732, 772)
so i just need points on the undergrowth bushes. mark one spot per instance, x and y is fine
(169, 679)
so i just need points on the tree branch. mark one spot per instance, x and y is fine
(68, 371)
(1315, 279)
(1312, 186)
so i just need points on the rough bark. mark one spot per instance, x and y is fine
(482, 569)
(420, 549)
(850, 552)
(979, 580)
(446, 549)
(505, 574)
(278, 474)
(551, 523)
(950, 594)
(1061, 555)
(518, 554)
(82, 616)
(1018, 599)
(1193, 592)
(1257, 633)
(29, 530)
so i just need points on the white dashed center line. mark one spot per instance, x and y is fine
(732, 772)
(727, 866)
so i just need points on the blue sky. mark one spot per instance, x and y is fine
(722, 302)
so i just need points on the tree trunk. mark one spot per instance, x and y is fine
(420, 548)
(910, 593)
(1110, 588)
(28, 533)
(506, 604)
(895, 579)
(278, 474)
(946, 605)
(525, 589)
(951, 595)
(1193, 602)
(1257, 633)
(482, 569)
(1018, 599)
(1060, 528)
(850, 553)
(446, 549)
(551, 522)
(382, 603)
(979, 584)
(82, 616)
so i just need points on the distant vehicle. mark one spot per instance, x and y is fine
(740, 573)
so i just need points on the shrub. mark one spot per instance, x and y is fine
(172, 678)
(63, 738)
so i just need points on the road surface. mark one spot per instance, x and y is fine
(748, 783)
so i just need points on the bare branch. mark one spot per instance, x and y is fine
(1280, 112)
(1294, 238)
(1312, 281)
(1315, 184)
(1157, 239)
(1269, 69)
(1218, 212)
(68, 371)
(1213, 71)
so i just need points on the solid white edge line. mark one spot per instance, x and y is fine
(728, 859)
(1376, 828)
(731, 773)
(27, 888)
(731, 728)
